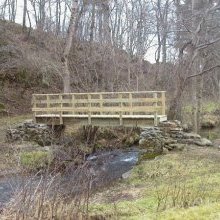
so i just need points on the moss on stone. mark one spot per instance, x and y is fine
(148, 156)
(131, 139)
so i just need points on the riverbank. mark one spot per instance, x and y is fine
(8, 156)
(180, 185)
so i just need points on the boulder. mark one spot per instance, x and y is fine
(152, 145)
(152, 140)
(170, 136)
(190, 136)
(169, 141)
(170, 126)
(165, 150)
(30, 131)
(131, 140)
(203, 142)
(126, 175)
(187, 127)
(178, 147)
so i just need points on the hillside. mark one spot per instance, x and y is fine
(27, 66)
(31, 63)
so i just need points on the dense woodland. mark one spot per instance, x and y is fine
(105, 45)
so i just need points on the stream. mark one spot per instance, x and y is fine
(105, 167)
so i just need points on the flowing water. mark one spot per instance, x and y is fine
(105, 167)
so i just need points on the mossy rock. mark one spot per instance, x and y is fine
(35, 160)
(130, 140)
(148, 156)
(152, 145)
(107, 133)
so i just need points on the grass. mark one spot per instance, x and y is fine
(210, 107)
(207, 107)
(204, 212)
(176, 186)
(35, 160)
(7, 154)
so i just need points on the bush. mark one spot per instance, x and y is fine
(35, 160)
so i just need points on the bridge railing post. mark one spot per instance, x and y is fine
(61, 106)
(101, 103)
(34, 105)
(163, 100)
(155, 110)
(130, 103)
(89, 109)
(120, 113)
(73, 104)
(48, 103)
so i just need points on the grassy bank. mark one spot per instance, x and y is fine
(8, 154)
(180, 185)
(176, 186)
(207, 107)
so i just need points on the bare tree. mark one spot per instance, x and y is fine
(68, 46)
(24, 15)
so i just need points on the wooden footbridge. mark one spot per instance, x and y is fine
(129, 109)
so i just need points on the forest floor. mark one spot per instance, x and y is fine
(179, 185)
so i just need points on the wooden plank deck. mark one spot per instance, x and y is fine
(101, 109)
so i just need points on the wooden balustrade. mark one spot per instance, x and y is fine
(106, 104)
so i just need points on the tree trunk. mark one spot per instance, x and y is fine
(106, 25)
(64, 19)
(91, 35)
(68, 46)
(197, 6)
(24, 15)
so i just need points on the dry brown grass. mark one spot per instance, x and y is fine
(51, 196)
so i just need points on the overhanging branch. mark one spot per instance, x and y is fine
(203, 72)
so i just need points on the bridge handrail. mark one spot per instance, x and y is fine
(96, 93)
(103, 103)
